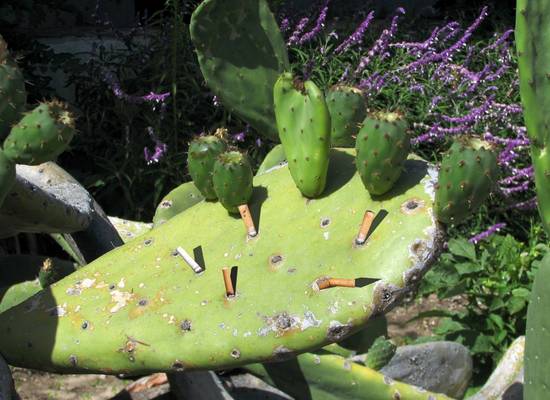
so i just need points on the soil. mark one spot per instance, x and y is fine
(35, 385)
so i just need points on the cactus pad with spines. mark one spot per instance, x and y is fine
(303, 122)
(382, 147)
(178, 200)
(275, 157)
(332, 377)
(241, 53)
(41, 135)
(203, 152)
(140, 308)
(233, 180)
(7, 176)
(467, 174)
(533, 45)
(13, 96)
(347, 112)
(380, 353)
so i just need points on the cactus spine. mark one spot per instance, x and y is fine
(382, 148)
(41, 135)
(203, 153)
(467, 173)
(347, 113)
(303, 121)
(241, 53)
(233, 180)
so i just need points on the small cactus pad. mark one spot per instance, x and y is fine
(380, 353)
(332, 377)
(467, 174)
(41, 135)
(382, 147)
(141, 308)
(241, 53)
(537, 335)
(178, 200)
(276, 157)
(533, 46)
(203, 152)
(347, 112)
(7, 176)
(303, 121)
(233, 180)
(13, 96)
(129, 230)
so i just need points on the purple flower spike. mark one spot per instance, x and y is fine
(152, 157)
(319, 25)
(490, 231)
(298, 31)
(357, 36)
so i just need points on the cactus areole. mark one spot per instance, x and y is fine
(140, 308)
(533, 46)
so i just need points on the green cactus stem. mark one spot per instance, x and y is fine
(347, 112)
(331, 377)
(467, 174)
(233, 180)
(141, 309)
(41, 135)
(203, 152)
(13, 96)
(532, 33)
(382, 147)
(241, 53)
(7, 176)
(380, 353)
(303, 121)
(177, 201)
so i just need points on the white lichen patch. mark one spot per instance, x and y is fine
(121, 284)
(58, 311)
(326, 235)
(120, 299)
(77, 288)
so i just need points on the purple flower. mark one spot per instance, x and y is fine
(239, 137)
(160, 150)
(285, 25)
(357, 36)
(490, 231)
(295, 37)
(319, 25)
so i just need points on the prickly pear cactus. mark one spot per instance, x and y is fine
(13, 96)
(331, 377)
(382, 147)
(233, 180)
(41, 135)
(241, 53)
(7, 176)
(467, 174)
(140, 308)
(347, 112)
(532, 33)
(177, 201)
(276, 157)
(303, 122)
(380, 353)
(203, 152)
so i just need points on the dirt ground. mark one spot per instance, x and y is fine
(35, 385)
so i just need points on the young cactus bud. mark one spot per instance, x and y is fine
(466, 176)
(233, 180)
(13, 96)
(203, 152)
(41, 135)
(347, 112)
(382, 147)
(380, 353)
(303, 121)
(53, 271)
(7, 176)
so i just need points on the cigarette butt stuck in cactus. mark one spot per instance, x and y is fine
(244, 210)
(189, 260)
(326, 283)
(229, 288)
(365, 227)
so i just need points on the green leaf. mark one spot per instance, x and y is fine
(482, 344)
(433, 314)
(521, 293)
(497, 304)
(448, 326)
(462, 248)
(468, 268)
(516, 304)
(497, 320)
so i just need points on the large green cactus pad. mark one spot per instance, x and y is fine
(241, 54)
(178, 200)
(140, 308)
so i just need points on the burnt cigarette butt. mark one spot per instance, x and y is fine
(365, 227)
(229, 290)
(247, 219)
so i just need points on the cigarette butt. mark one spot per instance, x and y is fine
(326, 283)
(247, 219)
(189, 260)
(365, 227)
(229, 290)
